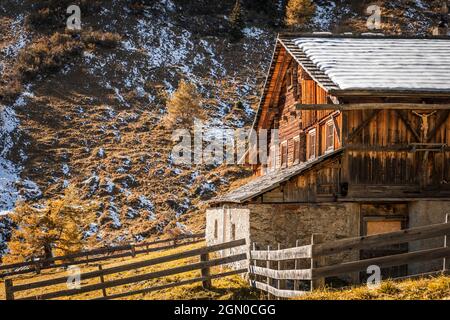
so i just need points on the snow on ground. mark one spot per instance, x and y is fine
(9, 172)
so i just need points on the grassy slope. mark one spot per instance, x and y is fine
(233, 287)
(422, 289)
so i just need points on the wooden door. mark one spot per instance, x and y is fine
(384, 224)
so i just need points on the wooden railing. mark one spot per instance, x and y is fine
(203, 266)
(97, 255)
(283, 281)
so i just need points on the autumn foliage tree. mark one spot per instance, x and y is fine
(52, 227)
(184, 105)
(299, 12)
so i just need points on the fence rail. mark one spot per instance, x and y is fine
(97, 255)
(271, 270)
(203, 266)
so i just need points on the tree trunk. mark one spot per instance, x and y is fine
(48, 254)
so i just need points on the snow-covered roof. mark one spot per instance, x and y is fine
(374, 64)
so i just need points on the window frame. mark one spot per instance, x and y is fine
(296, 143)
(312, 133)
(329, 125)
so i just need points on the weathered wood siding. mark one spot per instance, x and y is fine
(319, 184)
(382, 160)
(292, 85)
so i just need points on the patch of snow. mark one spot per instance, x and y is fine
(253, 32)
(114, 214)
(9, 172)
(65, 169)
(101, 153)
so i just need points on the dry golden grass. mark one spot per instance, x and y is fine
(232, 287)
(437, 288)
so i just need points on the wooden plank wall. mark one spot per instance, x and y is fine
(320, 184)
(381, 153)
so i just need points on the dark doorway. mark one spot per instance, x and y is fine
(377, 219)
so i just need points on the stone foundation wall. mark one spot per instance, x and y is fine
(284, 224)
(422, 213)
(227, 224)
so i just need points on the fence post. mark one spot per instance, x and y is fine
(268, 267)
(37, 265)
(9, 293)
(251, 262)
(316, 262)
(205, 272)
(445, 267)
(102, 280)
(133, 249)
(296, 286)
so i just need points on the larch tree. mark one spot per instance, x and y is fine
(236, 21)
(52, 227)
(184, 105)
(299, 12)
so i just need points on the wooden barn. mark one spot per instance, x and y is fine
(363, 144)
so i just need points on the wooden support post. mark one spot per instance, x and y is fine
(9, 293)
(445, 267)
(316, 262)
(296, 262)
(206, 284)
(102, 280)
(268, 267)
(133, 250)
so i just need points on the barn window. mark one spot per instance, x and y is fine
(312, 144)
(284, 154)
(329, 136)
(216, 231)
(233, 232)
(297, 149)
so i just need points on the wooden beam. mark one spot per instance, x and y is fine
(139, 278)
(373, 106)
(382, 262)
(363, 125)
(367, 242)
(132, 266)
(408, 124)
(276, 292)
(284, 254)
(299, 274)
(336, 128)
(173, 284)
(439, 124)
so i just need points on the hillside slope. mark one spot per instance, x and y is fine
(95, 119)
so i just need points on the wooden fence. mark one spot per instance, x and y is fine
(278, 272)
(203, 266)
(97, 255)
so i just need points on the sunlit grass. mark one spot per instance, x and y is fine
(437, 288)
